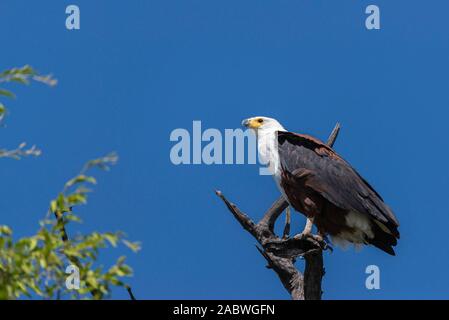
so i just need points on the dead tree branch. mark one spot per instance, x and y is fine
(282, 252)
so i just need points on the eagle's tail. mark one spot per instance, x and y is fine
(382, 239)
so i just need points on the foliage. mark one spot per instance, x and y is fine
(22, 75)
(35, 266)
(20, 152)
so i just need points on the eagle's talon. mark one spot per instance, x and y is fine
(317, 239)
(273, 242)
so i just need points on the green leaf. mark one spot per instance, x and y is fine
(5, 230)
(76, 198)
(72, 217)
(33, 244)
(112, 238)
(20, 79)
(7, 93)
(53, 206)
(27, 70)
(102, 163)
(80, 179)
(134, 246)
(120, 260)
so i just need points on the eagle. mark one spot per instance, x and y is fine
(320, 184)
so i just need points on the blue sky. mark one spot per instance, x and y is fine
(139, 69)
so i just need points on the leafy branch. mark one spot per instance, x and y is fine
(22, 75)
(20, 152)
(35, 265)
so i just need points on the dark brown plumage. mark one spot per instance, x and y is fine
(323, 186)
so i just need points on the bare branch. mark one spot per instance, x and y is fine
(334, 135)
(280, 257)
(273, 213)
(291, 278)
(313, 275)
(130, 292)
(244, 220)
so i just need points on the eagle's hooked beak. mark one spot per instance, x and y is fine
(245, 123)
(252, 123)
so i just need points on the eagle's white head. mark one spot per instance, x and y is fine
(266, 131)
(263, 125)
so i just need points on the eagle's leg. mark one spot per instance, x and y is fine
(308, 228)
(287, 223)
(307, 233)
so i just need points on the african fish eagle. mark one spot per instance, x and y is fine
(320, 184)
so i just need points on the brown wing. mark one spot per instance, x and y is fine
(333, 177)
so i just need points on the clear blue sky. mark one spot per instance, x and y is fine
(139, 69)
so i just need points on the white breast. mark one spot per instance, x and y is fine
(269, 155)
(268, 151)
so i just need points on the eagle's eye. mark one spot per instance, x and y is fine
(260, 120)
